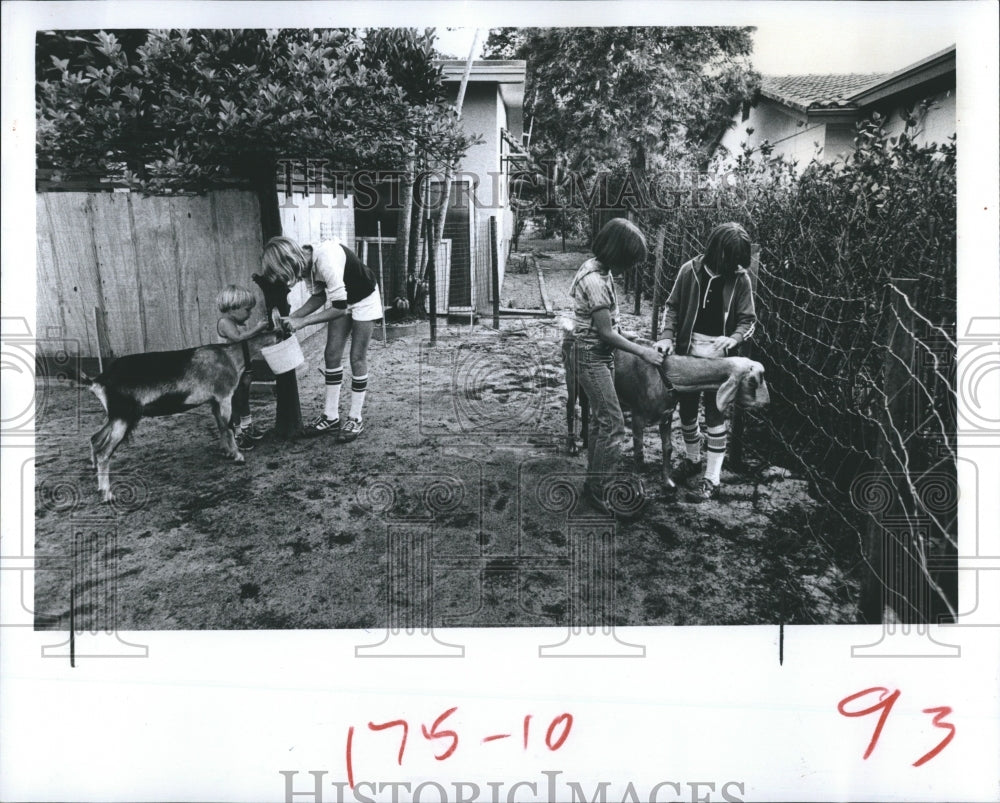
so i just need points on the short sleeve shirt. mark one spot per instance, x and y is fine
(329, 259)
(592, 290)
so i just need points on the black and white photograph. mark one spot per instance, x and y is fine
(744, 282)
(586, 333)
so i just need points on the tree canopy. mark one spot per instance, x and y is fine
(181, 109)
(628, 98)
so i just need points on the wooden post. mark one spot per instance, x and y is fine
(637, 273)
(738, 428)
(892, 573)
(287, 409)
(381, 282)
(431, 245)
(495, 271)
(654, 324)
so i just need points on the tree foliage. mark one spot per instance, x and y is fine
(181, 109)
(633, 98)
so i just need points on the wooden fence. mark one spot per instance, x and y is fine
(149, 268)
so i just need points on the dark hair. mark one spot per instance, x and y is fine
(728, 248)
(620, 244)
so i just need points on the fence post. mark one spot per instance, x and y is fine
(738, 434)
(495, 271)
(431, 247)
(654, 324)
(886, 545)
(287, 408)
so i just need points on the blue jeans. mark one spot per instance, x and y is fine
(595, 366)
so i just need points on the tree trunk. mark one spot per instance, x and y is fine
(401, 263)
(450, 169)
(263, 178)
(639, 173)
(416, 221)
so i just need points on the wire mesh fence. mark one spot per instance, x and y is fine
(855, 296)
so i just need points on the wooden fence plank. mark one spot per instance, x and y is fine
(320, 222)
(111, 229)
(162, 260)
(238, 239)
(156, 262)
(194, 234)
(49, 307)
(75, 265)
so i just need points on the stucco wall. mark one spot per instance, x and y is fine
(781, 129)
(799, 142)
(484, 113)
(935, 125)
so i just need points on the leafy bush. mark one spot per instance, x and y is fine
(856, 300)
(180, 109)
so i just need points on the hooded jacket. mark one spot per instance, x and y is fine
(738, 316)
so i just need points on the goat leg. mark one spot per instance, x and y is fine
(638, 425)
(669, 485)
(571, 446)
(103, 445)
(223, 412)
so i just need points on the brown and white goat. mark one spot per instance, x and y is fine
(650, 393)
(162, 383)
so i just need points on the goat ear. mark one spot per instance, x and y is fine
(724, 395)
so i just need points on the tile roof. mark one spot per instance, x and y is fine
(818, 91)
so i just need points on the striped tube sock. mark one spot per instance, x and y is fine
(246, 421)
(716, 452)
(692, 440)
(334, 379)
(359, 386)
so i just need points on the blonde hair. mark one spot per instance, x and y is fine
(235, 297)
(283, 261)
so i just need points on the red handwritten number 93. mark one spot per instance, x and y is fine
(885, 703)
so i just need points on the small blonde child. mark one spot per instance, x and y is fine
(235, 304)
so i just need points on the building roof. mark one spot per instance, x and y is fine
(806, 92)
(853, 90)
(507, 74)
(498, 70)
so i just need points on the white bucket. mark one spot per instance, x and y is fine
(284, 356)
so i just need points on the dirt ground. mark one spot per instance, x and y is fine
(455, 508)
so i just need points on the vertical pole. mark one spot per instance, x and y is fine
(637, 274)
(381, 280)
(287, 409)
(654, 324)
(738, 434)
(888, 547)
(431, 245)
(495, 271)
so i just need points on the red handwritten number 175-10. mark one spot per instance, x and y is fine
(885, 703)
(555, 736)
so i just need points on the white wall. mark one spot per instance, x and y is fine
(790, 135)
(935, 125)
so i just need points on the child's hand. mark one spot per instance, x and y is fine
(723, 343)
(652, 356)
(666, 346)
